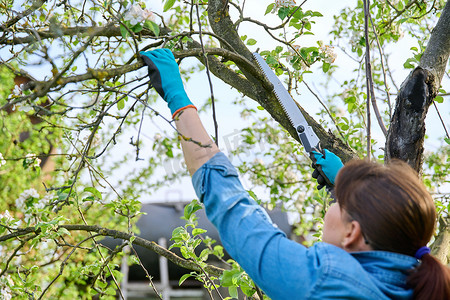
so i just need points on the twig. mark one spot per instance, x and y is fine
(146, 272)
(328, 112)
(36, 4)
(211, 281)
(368, 74)
(64, 263)
(442, 121)
(216, 125)
(15, 252)
(382, 66)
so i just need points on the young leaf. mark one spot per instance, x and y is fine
(198, 231)
(439, 99)
(123, 31)
(184, 277)
(152, 26)
(233, 292)
(269, 8)
(251, 42)
(168, 5)
(94, 192)
(283, 12)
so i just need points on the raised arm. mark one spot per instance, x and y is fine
(164, 74)
(188, 123)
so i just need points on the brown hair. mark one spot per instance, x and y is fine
(396, 213)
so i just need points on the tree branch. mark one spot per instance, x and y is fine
(407, 131)
(151, 245)
(109, 30)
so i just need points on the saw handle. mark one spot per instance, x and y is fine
(326, 166)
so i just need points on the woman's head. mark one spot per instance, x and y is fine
(391, 210)
(391, 204)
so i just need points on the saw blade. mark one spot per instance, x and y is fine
(289, 106)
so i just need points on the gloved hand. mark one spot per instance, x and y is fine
(326, 166)
(165, 78)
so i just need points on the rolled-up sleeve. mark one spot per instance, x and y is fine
(272, 260)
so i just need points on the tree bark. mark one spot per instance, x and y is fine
(407, 130)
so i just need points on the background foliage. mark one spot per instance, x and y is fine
(72, 86)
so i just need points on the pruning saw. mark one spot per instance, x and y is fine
(307, 136)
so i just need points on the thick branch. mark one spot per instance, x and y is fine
(222, 26)
(407, 131)
(441, 246)
(36, 4)
(124, 236)
(436, 55)
(108, 31)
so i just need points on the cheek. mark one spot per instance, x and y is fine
(332, 226)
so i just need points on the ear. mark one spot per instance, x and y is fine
(353, 239)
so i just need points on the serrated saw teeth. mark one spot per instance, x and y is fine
(295, 116)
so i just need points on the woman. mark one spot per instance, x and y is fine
(374, 237)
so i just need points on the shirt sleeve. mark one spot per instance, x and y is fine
(280, 267)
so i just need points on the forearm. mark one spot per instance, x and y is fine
(196, 143)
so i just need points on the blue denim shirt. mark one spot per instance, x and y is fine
(282, 268)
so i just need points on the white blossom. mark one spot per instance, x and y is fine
(137, 15)
(283, 3)
(330, 55)
(6, 215)
(32, 158)
(20, 202)
(356, 37)
(5, 293)
(2, 160)
(259, 161)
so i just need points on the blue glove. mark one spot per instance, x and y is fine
(165, 78)
(326, 166)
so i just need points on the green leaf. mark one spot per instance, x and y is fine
(191, 208)
(439, 99)
(308, 25)
(269, 8)
(326, 67)
(94, 192)
(198, 231)
(278, 49)
(152, 26)
(233, 292)
(63, 231)
(270, 60)
(168, 5)
(251, 42)
(121, 104)
(298, 14)
(447, 140)
(137, 28)
(259, 107)
(283, 12)
(183, 278)
(123, 31)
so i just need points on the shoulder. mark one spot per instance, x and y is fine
(340, 274)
